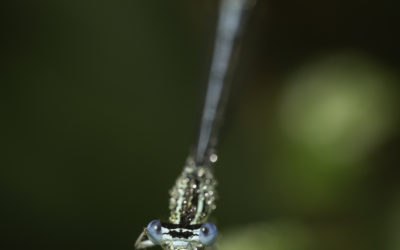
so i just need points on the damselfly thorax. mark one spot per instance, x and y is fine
(191, 202)
(192, 197)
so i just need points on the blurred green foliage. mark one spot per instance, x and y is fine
(274, 236)
(100, 102)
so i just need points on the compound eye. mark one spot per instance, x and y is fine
(208, 233)
(154, 231)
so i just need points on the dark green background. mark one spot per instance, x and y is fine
(100, 103)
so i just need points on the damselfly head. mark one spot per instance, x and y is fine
(177, 237)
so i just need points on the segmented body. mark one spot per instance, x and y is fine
(192, 199)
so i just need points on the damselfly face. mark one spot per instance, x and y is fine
(174, 237)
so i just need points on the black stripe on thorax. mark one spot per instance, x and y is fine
(176, 226)
(180, 234)
(192, 199)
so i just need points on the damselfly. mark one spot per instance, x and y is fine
(192, 199)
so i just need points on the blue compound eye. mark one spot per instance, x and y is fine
(154, 231)
(208, 233)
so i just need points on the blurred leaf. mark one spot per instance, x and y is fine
(276, 236)
(339, 108)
